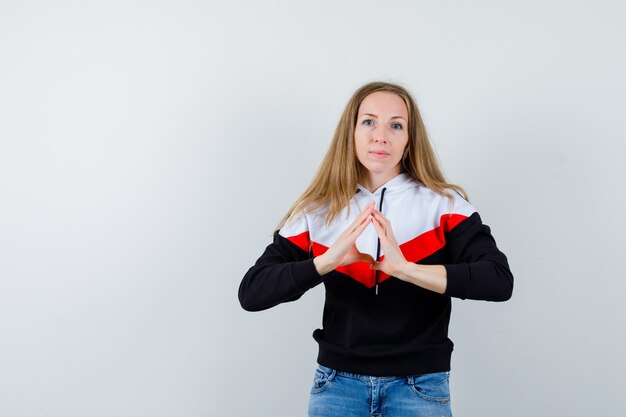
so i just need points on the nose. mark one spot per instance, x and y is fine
(380, 134)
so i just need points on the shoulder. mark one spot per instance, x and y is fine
(459, 205)
(297, 228)
(451, 211)
(294, 225)
(296, 231)
(455, 204)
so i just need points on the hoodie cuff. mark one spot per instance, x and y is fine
(305, 274)
(458, 276)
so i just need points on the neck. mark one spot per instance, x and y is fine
(373, 180)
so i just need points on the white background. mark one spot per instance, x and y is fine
(148, 149)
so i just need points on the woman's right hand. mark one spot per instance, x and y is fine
(344, 250)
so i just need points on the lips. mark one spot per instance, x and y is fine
(380, 153)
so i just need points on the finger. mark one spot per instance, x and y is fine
(379, 228)
(381, 232)
(381, 217)
(370, 206)
(359, 229)
(362, 216)
(364, 257)
(387, 231)
(387, 239)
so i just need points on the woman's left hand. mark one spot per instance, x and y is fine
(394, 261)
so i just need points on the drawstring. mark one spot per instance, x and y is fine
(380, 208)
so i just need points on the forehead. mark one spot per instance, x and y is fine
(383, 103)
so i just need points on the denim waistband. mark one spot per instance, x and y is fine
(334, 372)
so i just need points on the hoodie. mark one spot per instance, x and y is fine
(373, 323)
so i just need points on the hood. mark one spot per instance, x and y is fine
(396, 184)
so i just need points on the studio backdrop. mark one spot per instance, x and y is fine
(148, 150)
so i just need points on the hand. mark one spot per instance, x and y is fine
(394, 262)
(344, 250)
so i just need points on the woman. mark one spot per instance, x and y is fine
(384, 346)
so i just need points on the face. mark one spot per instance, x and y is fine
(381, 133)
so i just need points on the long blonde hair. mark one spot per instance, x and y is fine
(335, 181)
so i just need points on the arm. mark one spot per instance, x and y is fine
(473, 268)
(285, 271)
(430, 277)
(282, 273)
(477, 269)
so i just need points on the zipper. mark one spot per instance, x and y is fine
(380, 208)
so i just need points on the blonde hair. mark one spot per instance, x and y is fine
(336, 179)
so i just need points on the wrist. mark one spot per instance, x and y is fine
(322, 265)
(407, 271)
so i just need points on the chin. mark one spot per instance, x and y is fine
(380, 168)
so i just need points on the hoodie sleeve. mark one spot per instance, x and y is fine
(283, 272)
(477, 269)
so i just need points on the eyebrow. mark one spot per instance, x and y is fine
(373, 115)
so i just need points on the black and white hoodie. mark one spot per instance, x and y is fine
(373, 323)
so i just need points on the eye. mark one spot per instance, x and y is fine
(364, 122)
(397, 126)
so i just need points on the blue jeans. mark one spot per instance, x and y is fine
(343, 394)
